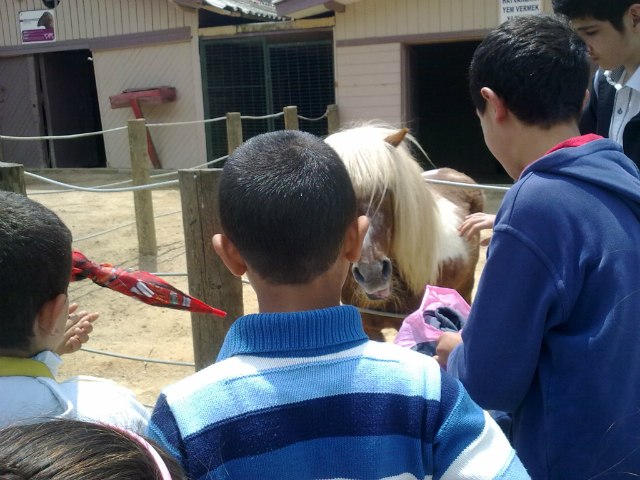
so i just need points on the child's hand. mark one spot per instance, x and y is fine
(445, 345)
(77, 330)
(474, 224)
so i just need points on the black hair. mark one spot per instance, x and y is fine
(286, 201)
(75, 450)
(611, 11)
(35, 265)
(538, 65)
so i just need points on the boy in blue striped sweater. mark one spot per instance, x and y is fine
(298, 391)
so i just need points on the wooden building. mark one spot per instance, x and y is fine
(406, 61)
(101, 48)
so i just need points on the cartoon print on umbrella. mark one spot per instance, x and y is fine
(141, 285)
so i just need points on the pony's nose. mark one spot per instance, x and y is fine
(368, 272)
(386, 268)
(357, 275)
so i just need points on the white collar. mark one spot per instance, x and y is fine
(50, 359)
(617, 76)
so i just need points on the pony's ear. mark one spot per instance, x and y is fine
(397, 138)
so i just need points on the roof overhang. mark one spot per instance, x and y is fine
(308, 8)
(255, 9)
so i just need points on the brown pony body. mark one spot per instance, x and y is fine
(413, 239)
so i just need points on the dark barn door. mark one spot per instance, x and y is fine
(443, 113)
(71, 106)
(20, 111)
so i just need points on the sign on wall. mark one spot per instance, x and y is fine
(37, 26)
(518, 8)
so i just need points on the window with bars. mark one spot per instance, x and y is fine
(254, 78)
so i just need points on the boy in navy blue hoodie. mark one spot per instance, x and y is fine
(554, 330)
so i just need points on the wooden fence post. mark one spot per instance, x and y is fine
(209, 279)
(234, 131)
(143, 200)
(12, 178)
(333, 119)
(291, 118)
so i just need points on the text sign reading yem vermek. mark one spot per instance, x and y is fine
(518, 8)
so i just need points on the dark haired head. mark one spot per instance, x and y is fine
(74, 450)
(611, 11)
(537, 65)
(286, 201)
(35, 265)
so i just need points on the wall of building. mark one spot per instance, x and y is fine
(79, 19)
(172, 64)
(369, 82)
(385, 18)
(388, 18)
(141, 66)
(369, 38)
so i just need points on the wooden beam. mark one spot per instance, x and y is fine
(334, 6)
(268, 27)
(209, 279)
(416, 38)
(142, 199)
(234, 131)
(151, 96)
(291, 118)
(221, 11)
(12, 178)
(333, 119)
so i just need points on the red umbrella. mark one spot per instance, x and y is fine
(143, 286)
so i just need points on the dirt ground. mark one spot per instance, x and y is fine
(126, 326)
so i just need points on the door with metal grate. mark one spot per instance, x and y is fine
(302, 75)
(234, 81)
(253, 78)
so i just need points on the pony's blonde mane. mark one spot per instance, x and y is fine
(376, 167)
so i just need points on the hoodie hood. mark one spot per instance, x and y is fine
(599, 162)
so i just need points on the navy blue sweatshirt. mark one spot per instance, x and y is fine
(554, 331)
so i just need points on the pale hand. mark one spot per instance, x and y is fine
(474, 224)
(77, 330)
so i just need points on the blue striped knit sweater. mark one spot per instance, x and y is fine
(306, 396)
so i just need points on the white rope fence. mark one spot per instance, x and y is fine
(138, 359)
(161, 175)
(104, 232)
(382, 314)
(324, 115)
(474, 186)
(102, 190)
(106, 189)
(62, 137)
(170, 274)
(261, 117)
(155, 125)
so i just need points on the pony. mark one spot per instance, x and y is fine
(413, 233)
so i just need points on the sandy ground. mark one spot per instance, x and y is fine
(126, 326)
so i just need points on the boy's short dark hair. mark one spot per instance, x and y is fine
(35, 265)
(611, 11)
(286, 201)
(538, 65)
